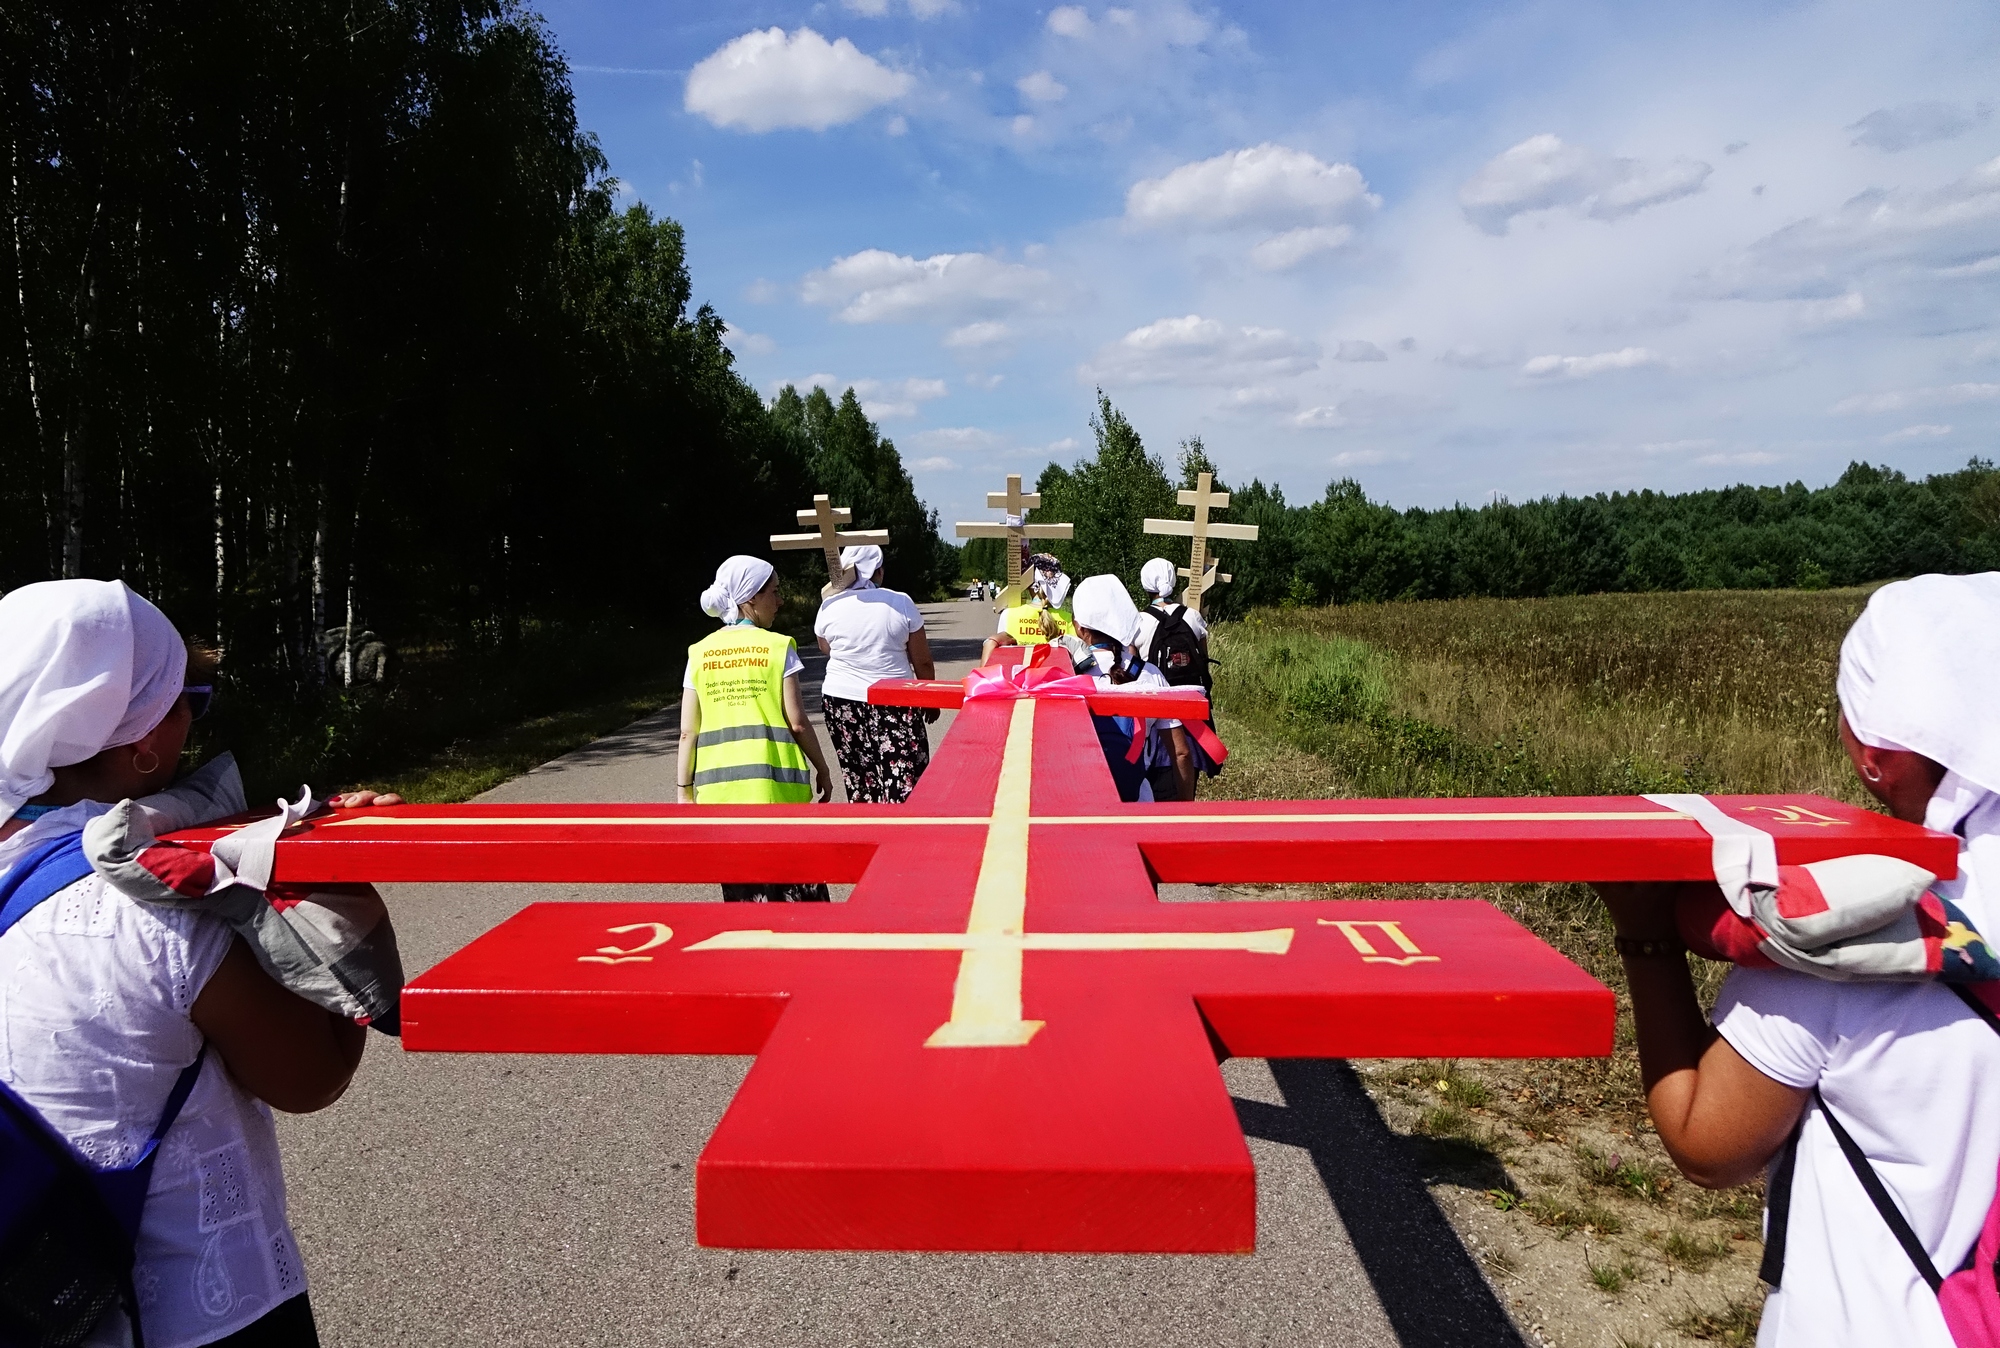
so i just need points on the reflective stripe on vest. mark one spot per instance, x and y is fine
(745, 753)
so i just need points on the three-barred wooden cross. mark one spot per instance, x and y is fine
(1004, 1040)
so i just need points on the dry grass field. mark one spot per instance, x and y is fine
(1550, 1168)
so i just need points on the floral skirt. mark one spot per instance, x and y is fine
(882, 750)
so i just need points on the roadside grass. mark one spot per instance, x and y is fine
(1596, 695)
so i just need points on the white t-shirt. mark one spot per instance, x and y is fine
(1913, 1076)
(1149, 623)
(867, 634)
(793, 665)
(95, 991)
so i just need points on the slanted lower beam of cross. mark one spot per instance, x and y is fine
(1201, 572)
(1003, 1040)
(1016, 530)
(828, 538)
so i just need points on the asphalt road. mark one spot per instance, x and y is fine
(529, 1200)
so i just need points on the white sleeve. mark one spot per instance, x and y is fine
(1198, 623)
(1001, 626)
(1781, 1022)
(793, 665)
(913, 617)
(687, 679)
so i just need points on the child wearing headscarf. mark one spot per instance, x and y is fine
(1819, 1045)
(147, 1019)
(1106, 622)
(870, 633)
(745, 737)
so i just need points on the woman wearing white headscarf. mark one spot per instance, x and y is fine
(1906, 1069)
(1174, 655)
(871, 633)
(109, 1004)
(745, 737)
(1107, 621)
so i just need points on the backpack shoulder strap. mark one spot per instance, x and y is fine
(1878, 1194)
(1778, 1207)
(39, 876)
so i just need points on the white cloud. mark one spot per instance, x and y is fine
(1749, 458)
(761, 291)
(1475, 358)
(881, 399)
(1916, 433)
(1269, 186)
(1839, 309)
(1359, 351)
(1283, 251)
(748, 343)
(1676, 446)
(1070, 21)
(1321, 417)
(1899, 400)
(1914, 124)
(978, 334)
(1583, 367)
(956, 437)
(766, 80)
(989, 382)
(1042, 87)
(876, 286)
(1542, 173)
(934, 464)
(1201, 350)
(1948, 230)
(1363, 458)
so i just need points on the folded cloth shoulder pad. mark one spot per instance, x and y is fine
(332, 945)
(1852, 919)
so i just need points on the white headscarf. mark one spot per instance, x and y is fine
(1157, 577)
(865, 561)
(1920, 670)
(1105, 607)
(85, 665)
(737, 582)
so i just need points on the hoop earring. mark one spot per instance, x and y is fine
(146, 772)
(1872, 773)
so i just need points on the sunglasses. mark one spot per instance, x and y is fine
(200, 696)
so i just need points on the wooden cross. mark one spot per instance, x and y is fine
(1003, 1040)
(1016, 530)
(1201, 572)
(830, 541)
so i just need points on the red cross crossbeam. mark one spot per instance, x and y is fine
(1004, 1040)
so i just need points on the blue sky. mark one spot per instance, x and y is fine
(1451, 250)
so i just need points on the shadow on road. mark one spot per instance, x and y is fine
(1429, 1286)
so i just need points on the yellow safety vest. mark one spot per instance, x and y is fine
(1024, 623)
(746, 753)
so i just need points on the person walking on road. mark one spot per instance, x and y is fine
(871, 633)
(141, 1039)
(1043, 616)
(745, 739)
(1174, 638)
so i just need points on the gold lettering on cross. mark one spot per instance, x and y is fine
(612, 954)
(1797, 814)
(986, 997)
(1393, 930)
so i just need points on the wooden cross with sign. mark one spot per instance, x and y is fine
(1201, 572)
(1016, 530)
(1004, 1040)
(830, 541)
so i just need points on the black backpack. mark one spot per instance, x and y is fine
(1178, 651)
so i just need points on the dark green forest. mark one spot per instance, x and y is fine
(1873, 524)
(322, 312)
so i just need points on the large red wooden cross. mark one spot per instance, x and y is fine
(1004, 1040)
